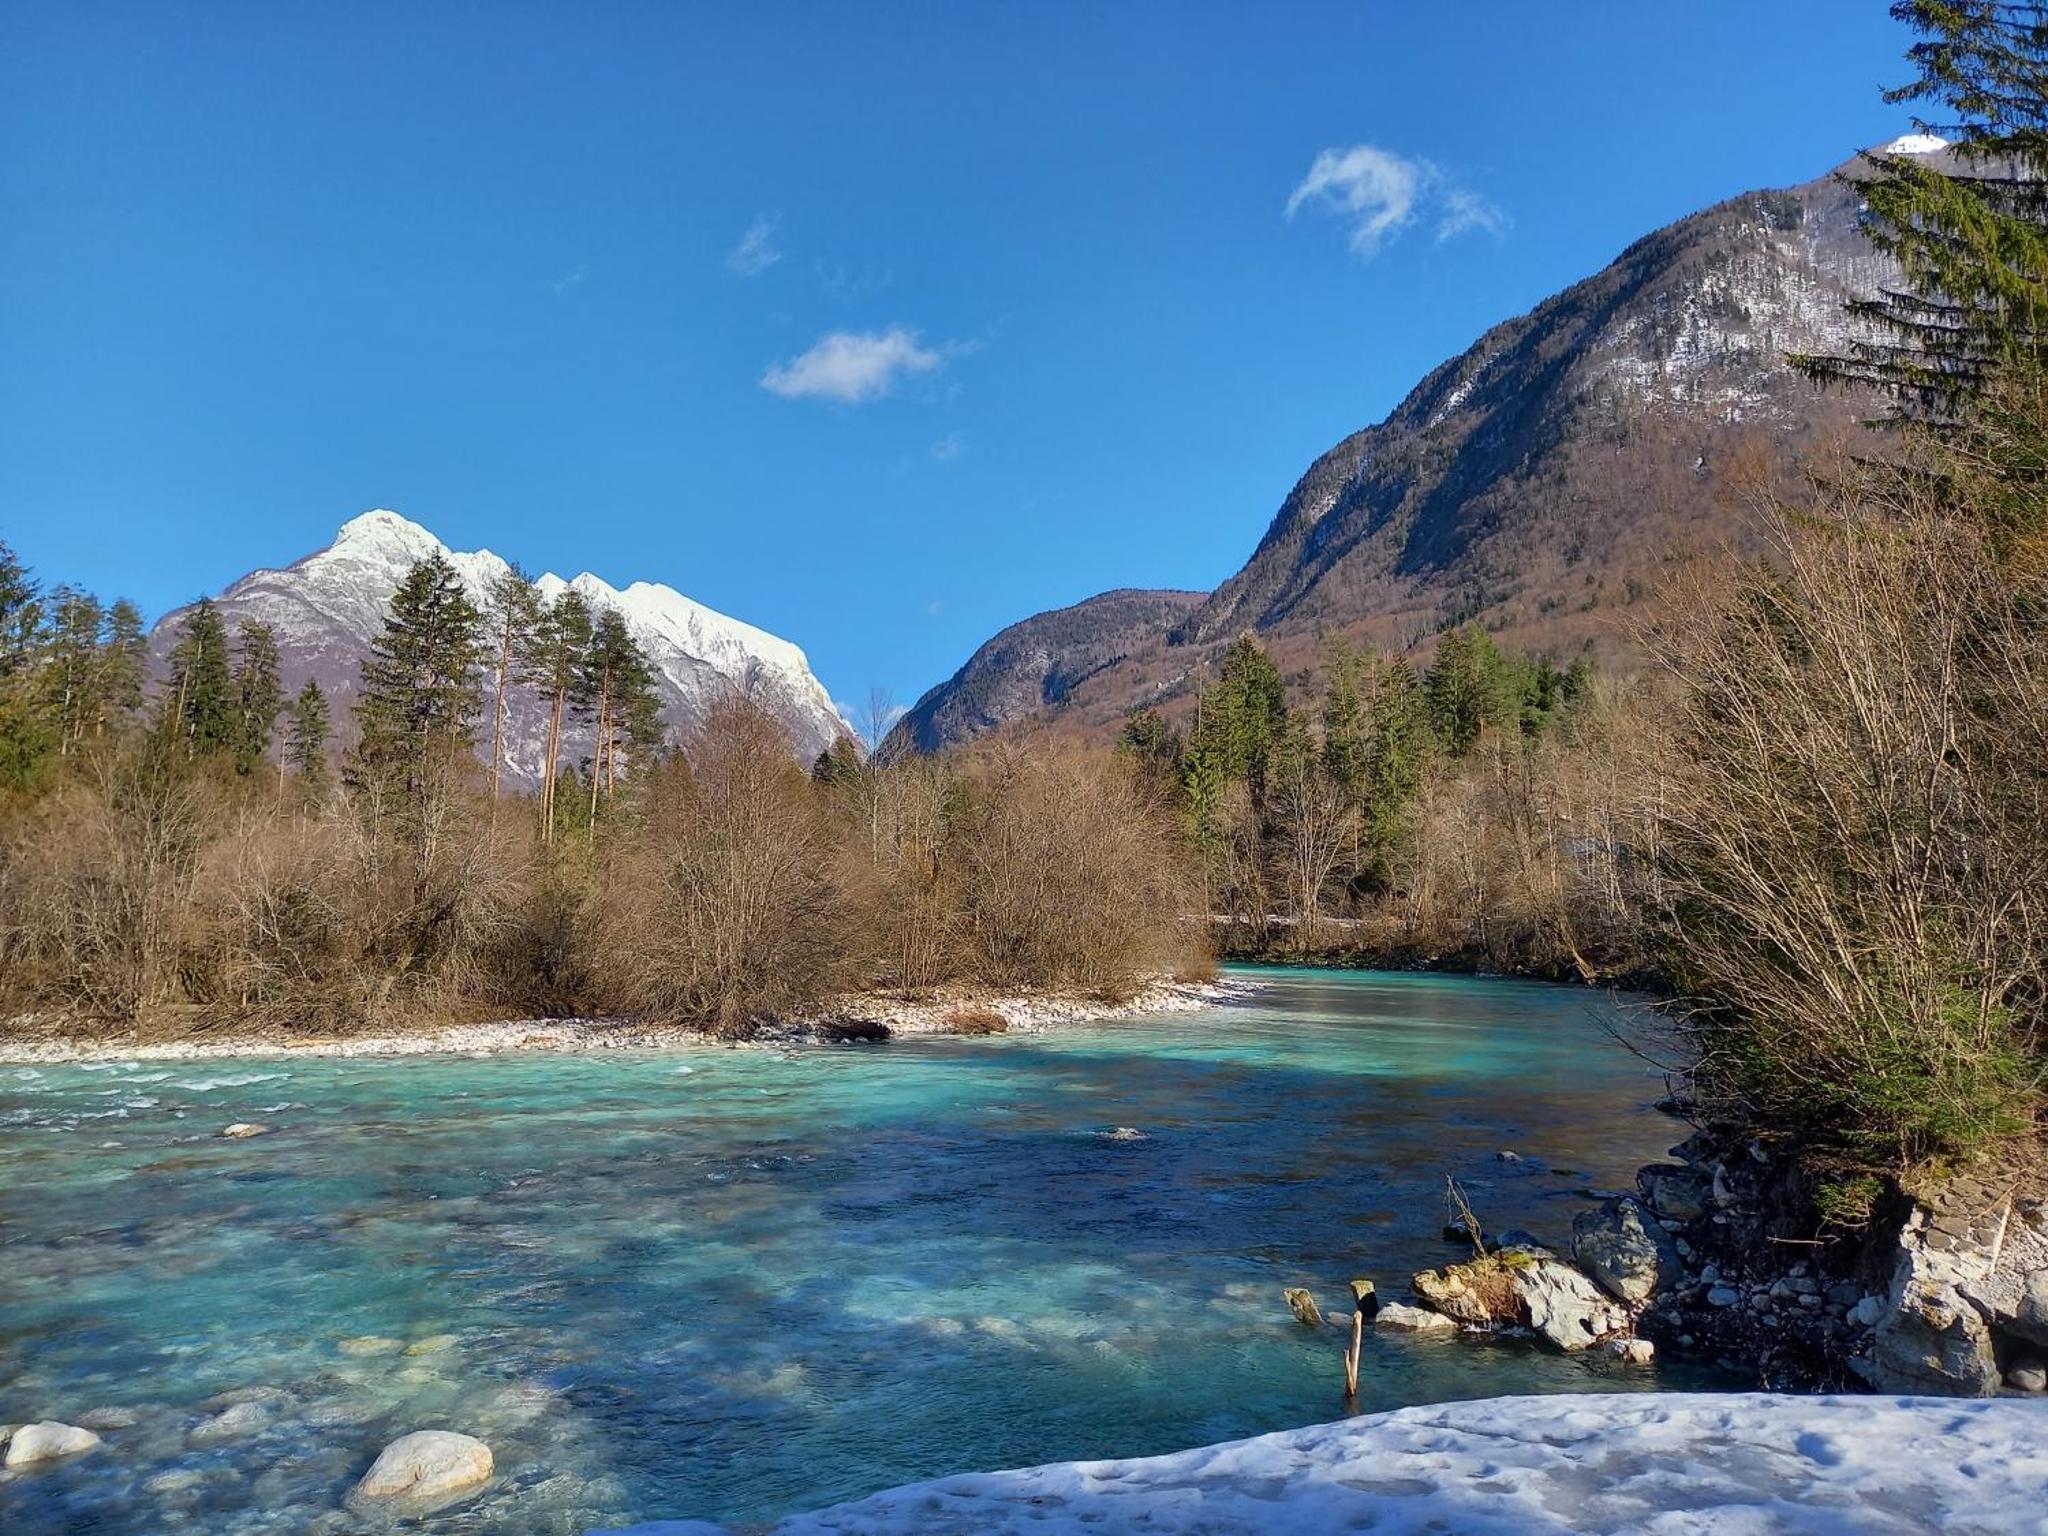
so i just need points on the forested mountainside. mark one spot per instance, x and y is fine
(1037, 663)
(1543, 482)
(326, 608)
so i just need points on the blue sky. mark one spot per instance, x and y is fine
(880, 326)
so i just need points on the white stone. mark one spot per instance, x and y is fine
(242, 1130)
(1399, 1315)
(422, 1471)
(47, 1441)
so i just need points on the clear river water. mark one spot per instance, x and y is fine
(733, 1283)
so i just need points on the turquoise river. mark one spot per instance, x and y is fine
(733, 1283)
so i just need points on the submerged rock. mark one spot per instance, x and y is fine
(423, 1471)
(109, 1418)
(1624, 1249)
(231, 1424)
(48, 1440)
(370, 1344)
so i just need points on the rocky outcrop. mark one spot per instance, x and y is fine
(47, 1441)
(424, 1471)
(1402, 1318)
(1968, 1303)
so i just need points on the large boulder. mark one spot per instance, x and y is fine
(419, 1473)
(47, 1441)
(1622, 1246)
(1477, 1294)
(1562, 1305)
(1674, 1193)
(1402, 1318)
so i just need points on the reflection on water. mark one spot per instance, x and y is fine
(733, 1283)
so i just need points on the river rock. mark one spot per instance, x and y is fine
(1303, 1306)
(1477, 1294)
(1634, 1351)
(1678, 1194)
(242, 1130)
(1563, 1305)
(370, 1344)
(2027, 1374)
(47, 1441)
(231, 1424)
(1403, 1318)
(421, 1472)
(103, 1419)
(1625, 1251)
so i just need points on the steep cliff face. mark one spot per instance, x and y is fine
(1551, 476)
(327, 607)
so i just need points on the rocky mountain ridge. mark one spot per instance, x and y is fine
(327, 607)
(1543, 482)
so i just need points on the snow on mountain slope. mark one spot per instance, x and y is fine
(328, 607)
(1736, 1464)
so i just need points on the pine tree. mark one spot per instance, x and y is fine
(1241, 719)
(72, 675)
(259, 694)
(1147, 740)
(514, 609)
(1971, 235)
(618, 695)
(419, 690)
(198, 703)
(28, 733)
(124, 663)
(554, 665)
(305, 750)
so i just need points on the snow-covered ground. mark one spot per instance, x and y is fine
(1744, 1464)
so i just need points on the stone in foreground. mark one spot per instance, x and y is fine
(48, 1441)
(423, 1471)
(242, 1130)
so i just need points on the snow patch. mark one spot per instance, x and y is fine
(1523, 1466)
(1915, 144)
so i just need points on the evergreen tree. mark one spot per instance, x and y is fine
(28, 733)
(1398, 729)
(1971, 234)
(72, 675)
(198, 704)
(1241, 719)
(259, 694)
(618, 695)
(515, 615)
(839, 763)
(419, 690)
(1152, 744)
(1458, 687)
(1345, 740)
(305, 749)
(554, 664)
(124, 663)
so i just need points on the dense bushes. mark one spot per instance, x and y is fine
(724, 884)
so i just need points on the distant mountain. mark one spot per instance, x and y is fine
(1036, 664)
(327, 607)
(1542, 482)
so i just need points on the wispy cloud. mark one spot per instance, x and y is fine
(852, 367)
(1380, 193)
(572, 280)
(949, 447)
(756, 252)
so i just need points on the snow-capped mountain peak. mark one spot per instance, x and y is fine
(327, 607)
(1915, 144)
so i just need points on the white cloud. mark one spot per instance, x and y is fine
(1464, 211)
(949, 447)
(1381, 193)
(852, 367)
(756, 252)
